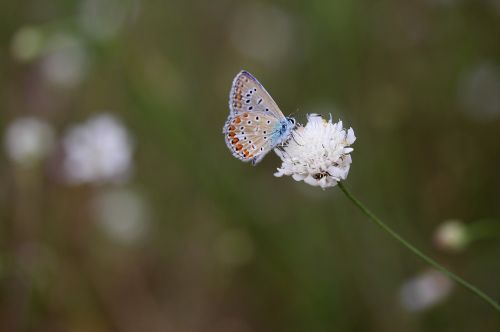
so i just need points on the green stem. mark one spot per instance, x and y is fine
(417, 252)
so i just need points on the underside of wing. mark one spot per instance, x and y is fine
(248, 95)
(250, 136)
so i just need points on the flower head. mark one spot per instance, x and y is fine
(97, 151)
(318, 153)
(28, 140)
(451, 236)
(425, 290)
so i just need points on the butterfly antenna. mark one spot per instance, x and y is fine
(293, 137)
(295, 112)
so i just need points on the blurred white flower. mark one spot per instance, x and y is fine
(65, 61)
(121, 214)
(28, 140)
(479, 92)
(451, 236)
(102, 19)
(318, 153)
(270, 36)
(26, 43)
(424, 291)
(99, 150)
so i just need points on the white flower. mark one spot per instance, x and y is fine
(28, 140)
(451, 236)
(97, 151)
(318, 153)
(103, 19)
(425, 290)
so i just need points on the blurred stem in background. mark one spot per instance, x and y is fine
(416, 251)
(455, 236)
(483, 229)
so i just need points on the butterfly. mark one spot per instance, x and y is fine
(255, 124)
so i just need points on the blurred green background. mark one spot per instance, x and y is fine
(122, 209)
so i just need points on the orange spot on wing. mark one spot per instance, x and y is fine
(231, 128)
(232, 134)
(237, 120)
(245, 115)
(239, 147)
(235, 140)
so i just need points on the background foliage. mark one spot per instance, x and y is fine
(185, 237)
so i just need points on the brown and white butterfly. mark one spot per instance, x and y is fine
(255, 124)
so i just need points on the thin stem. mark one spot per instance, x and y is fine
(417, 252)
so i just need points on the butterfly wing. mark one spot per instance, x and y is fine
(251, 135)
(248, 95)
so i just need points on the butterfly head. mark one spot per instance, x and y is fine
(287, 126)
